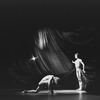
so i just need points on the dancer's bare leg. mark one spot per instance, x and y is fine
(28, 91)
(78, 73)
(39, 88)
(34, 91)
(80, 86)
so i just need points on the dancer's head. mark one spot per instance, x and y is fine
(76, 55)
(56, 80)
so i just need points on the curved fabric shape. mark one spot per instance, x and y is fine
(51, 59)
(82, 35)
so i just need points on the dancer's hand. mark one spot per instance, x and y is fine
(72, 61)
(84, 71)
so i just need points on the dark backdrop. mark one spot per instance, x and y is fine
(20, 20)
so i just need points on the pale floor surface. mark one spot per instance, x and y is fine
(43, 95)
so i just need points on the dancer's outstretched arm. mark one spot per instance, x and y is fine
(73, 61)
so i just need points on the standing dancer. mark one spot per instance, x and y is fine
(78, 62)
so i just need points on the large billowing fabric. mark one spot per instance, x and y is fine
(51, 58)
(53, 54)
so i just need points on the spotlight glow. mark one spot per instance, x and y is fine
(33, 58)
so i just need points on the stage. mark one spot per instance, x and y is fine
(43, 95)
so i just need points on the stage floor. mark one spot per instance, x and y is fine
(43, 95)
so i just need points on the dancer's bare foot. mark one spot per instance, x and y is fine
(29, 91)
(79, 89)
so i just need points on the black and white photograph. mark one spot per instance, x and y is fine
(50, 49)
